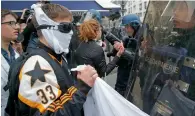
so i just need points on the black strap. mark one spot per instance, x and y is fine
(44, 27)
(61, 72)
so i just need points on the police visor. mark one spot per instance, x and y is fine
(179, 10)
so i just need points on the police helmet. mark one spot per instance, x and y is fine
(132, 20)
(90, 14)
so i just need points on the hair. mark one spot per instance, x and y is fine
(88, 30)
(5, 12)
(44, 1)
(53, 11)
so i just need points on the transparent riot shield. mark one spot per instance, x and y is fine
(165, 54)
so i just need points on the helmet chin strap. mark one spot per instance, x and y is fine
(135, 30)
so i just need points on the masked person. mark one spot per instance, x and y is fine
(43, 84)
(131, 23)
(9, 32)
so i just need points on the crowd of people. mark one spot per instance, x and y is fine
(37, 59)
(39, 49)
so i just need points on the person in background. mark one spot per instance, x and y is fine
(29, 32)
(90, 51)
(17, 44)
(75, 40)
(23, 19)
(9, 32)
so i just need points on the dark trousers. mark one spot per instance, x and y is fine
(122, 79)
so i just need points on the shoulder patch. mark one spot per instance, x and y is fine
(38, 83)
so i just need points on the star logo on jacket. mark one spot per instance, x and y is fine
(37, 74)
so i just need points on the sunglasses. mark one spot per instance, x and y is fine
(62, 27)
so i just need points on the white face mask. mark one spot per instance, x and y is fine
(57, 40)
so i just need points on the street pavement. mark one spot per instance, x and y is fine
(111, 80)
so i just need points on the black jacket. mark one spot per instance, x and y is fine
(130, 45)
(91, 53)
(74, 43)
(45, 86)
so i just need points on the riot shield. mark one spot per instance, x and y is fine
(171, 102)
(166, 51)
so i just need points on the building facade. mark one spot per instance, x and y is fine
(138, 7)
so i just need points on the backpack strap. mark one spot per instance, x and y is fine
(13, 84)
(61, 71)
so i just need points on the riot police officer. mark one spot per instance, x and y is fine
(183, 19)
(171, 58)
(131, 24)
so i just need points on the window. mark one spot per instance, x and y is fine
(145, 5)
(144, 13)
(139, 14)
(134, 7)
(140, 6)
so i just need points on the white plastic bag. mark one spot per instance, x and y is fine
(103, 100)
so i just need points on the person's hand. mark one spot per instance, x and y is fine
(120, 51)
(17, 47)
(23, 13)
(117, 45)
(88, 75)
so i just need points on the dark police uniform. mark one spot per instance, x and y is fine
(125, 65)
